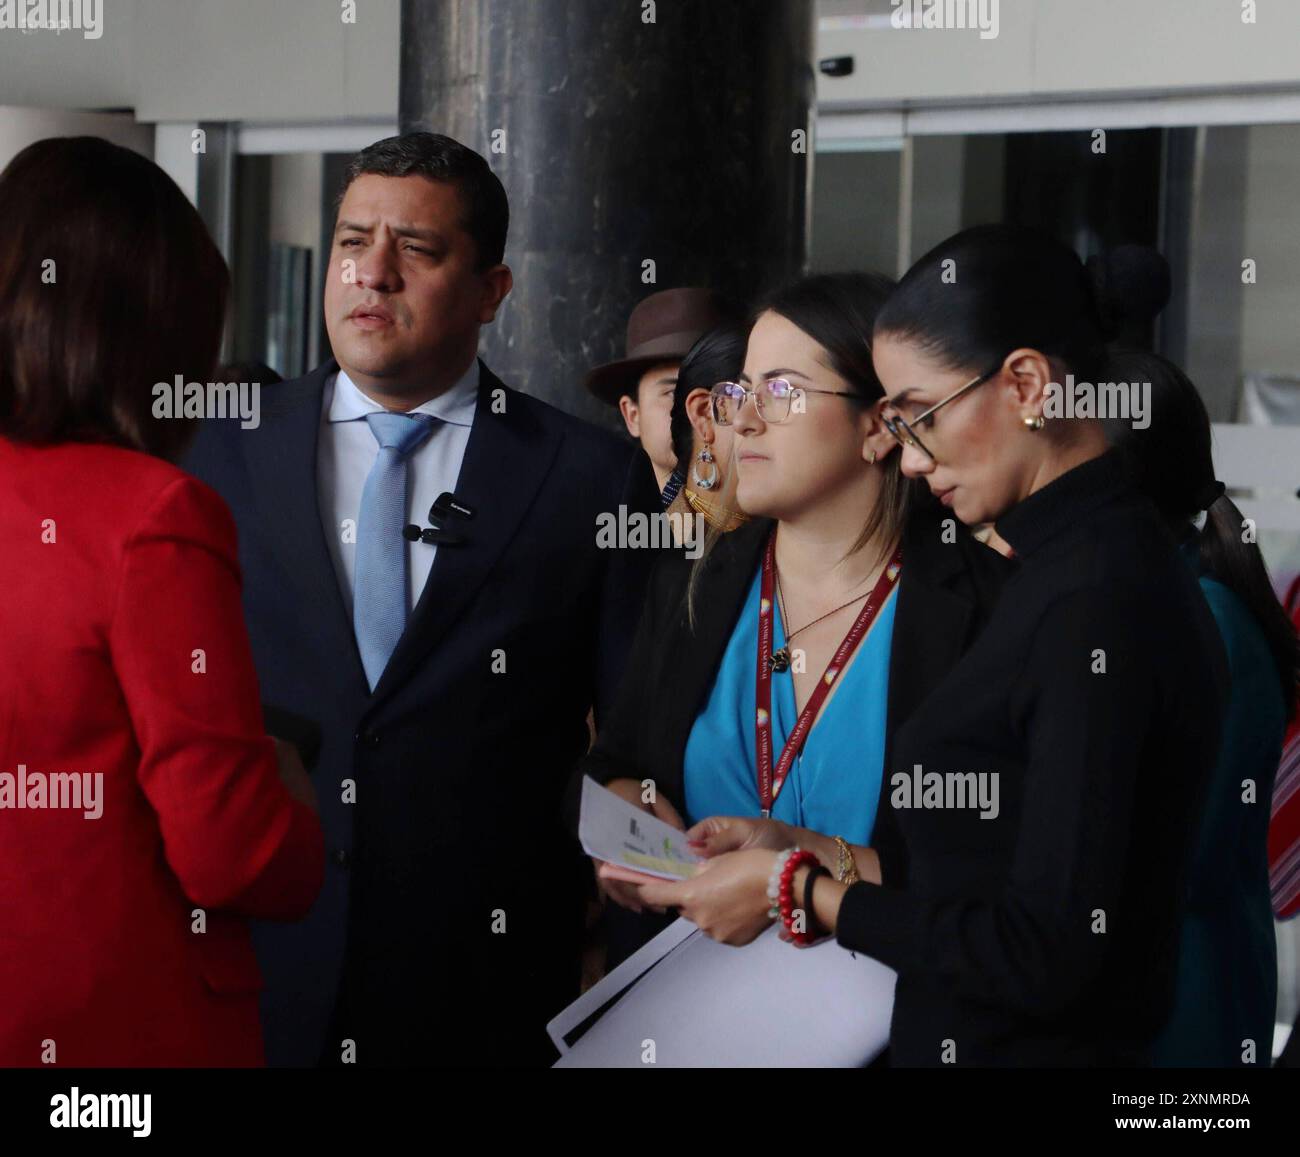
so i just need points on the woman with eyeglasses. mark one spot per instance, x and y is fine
(768, 679)
(1042, 930)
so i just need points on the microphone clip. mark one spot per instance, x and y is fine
(446, 507)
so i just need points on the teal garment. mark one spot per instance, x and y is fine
(834, 786)
(1226, 986)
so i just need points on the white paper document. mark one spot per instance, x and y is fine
(705, 1004)
(613, 830)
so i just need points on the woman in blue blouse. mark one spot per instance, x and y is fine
(834, 784)
(869, 592)
(1226, 986)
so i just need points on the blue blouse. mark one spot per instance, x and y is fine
(834, 786)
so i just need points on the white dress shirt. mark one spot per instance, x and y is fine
(347, 450)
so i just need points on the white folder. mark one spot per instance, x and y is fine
(697, 1003)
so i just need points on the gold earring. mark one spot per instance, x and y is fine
(873, 458)
(1034, 423)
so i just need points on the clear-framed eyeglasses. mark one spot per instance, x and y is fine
(775, 399)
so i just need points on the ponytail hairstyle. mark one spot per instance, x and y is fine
(1172, 463)
(992, 289)
(839, 312)
(987, 291)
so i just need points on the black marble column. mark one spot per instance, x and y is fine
(684, 140)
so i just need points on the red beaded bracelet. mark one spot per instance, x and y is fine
(785, 897)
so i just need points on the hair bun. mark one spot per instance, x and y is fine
(1131, 285)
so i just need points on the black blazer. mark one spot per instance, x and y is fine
(1047, 933)
(461, 754)
(945, 596)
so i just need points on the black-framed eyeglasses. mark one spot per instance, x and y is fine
(774, 399)
(905, 431)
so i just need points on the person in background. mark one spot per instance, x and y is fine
(708, 483)
(718, 356)
(1284, 826)
(642, 384)
(125, 669)
(1226, 988)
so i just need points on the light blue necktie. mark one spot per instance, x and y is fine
(379, 586)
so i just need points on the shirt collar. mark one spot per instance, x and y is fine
(456, 406)
(1059, 505)
(676, 480)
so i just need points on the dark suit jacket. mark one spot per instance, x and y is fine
(452, 901)
(945, 595)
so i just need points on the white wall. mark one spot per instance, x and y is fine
(1046, 48)
(295, 60)
(214, 60)
(20, 127)
(64, 69)
(296, 187)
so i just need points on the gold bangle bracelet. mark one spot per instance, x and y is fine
(846, 870)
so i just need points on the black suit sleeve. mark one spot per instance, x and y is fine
(623, 590)
(617, 751)
(1033, 947)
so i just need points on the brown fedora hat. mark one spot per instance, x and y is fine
(662, 328)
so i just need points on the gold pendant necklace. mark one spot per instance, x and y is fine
(781, 656)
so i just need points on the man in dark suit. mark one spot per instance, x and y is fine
(452, 676)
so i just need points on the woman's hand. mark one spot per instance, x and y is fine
(625, 894)
(726, 898)
(720, 834)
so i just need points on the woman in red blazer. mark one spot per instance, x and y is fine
(144, 814)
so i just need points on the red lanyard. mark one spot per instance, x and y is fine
(769, 781)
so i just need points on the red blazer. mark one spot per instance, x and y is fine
(124, 656)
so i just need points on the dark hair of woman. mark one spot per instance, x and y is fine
(992, 289)
(1174, 466)
(987, 291)
(718, 356)
(109, 285)
(839, 311)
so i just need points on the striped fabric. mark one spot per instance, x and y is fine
(1284, 826)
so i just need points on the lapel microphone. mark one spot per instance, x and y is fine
(446, 507)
